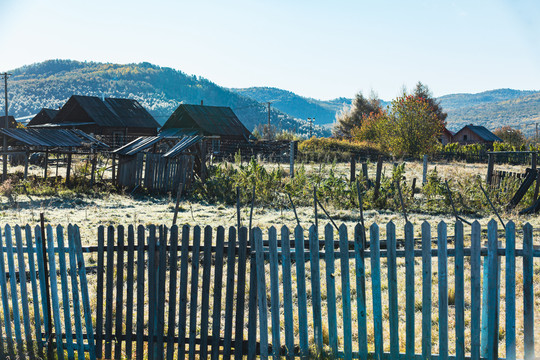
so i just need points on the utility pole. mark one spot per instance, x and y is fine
(268, 129)
(311, 121)
(536, 139)
(6, 125)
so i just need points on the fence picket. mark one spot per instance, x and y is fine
(182, 307)
(77, 314)
(426, 290)
(43, 290)
(153, 263)
(287, 291)
(442, 262)
(392, 290)
(360, 291)
(129, 291)
(140, 292)
(54, 292)
(301, 288)
(528, 293)
(205, 298)
(229, 294)
(13, 286)
(24, 290)
(119, 291)
(375, 249)
(99, 291)
(261, 289)
(194, 290)
(65, 294)
(85, 295)
(493, 287)
(274, 292)
(218, 286)
(510, 296)
(109, 292)
(459, 292)
(316, 287)
(475, 291)
(330, 288)
(409, 292)
(173, 268)
(35, 292)
(241, 293)
(3, 288)
(159, 349)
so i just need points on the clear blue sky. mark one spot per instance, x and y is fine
(321, 49)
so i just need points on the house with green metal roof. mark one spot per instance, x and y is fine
(475, 134)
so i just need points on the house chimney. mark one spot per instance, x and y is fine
(201, 103)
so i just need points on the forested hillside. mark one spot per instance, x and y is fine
(160, 90)
(298, 106)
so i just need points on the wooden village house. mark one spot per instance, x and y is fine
(475, 134)
(115, 120)
(45, 116)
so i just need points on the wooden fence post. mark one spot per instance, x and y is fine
(365, 174)
(291, 153)
(424, 170)
(490, 168)
(378, 177)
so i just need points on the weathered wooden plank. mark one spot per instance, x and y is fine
(139, 351)
(218, 286)
(301, 288)
(119, 292)
(13, 286)
(287, 292)
(99, 291)
(152, 289)
(493, 295)
(484, 316)
(442, 257)
(426, 290)
(261, 289)
(173, 269)
(182, 307)
(510, 254)
(475, 291)
(160, 296)
(65, 294)
(409, 292)
(194, 290)
(54, 293)
(392, 290)
(24, 289)
(77, 314)
(316, 300)
(42, 280)
(229, 294)
(360, 290)
(240, 293)
(33, 280)
(129, 291)
(109, 292)
(528, 293)
(274, 292)
(459, 292)
(3, 288)
(85, 294)
(207, 267)
(375, 250)
(331, 288)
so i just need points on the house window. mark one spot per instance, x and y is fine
(464, 137)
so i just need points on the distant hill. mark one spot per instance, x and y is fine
(493, 109)
(297, 106)
(160, 90)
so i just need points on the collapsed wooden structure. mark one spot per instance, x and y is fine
(160, 164)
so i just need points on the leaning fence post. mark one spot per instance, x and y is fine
(353, 169)
(378, 177)
(291, 160)
(424, 170)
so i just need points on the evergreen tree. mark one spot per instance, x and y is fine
(360, 109)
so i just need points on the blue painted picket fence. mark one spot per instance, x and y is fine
(69, 296)
(483, 338)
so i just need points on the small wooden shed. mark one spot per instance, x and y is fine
(475, 134)
(45, 116)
